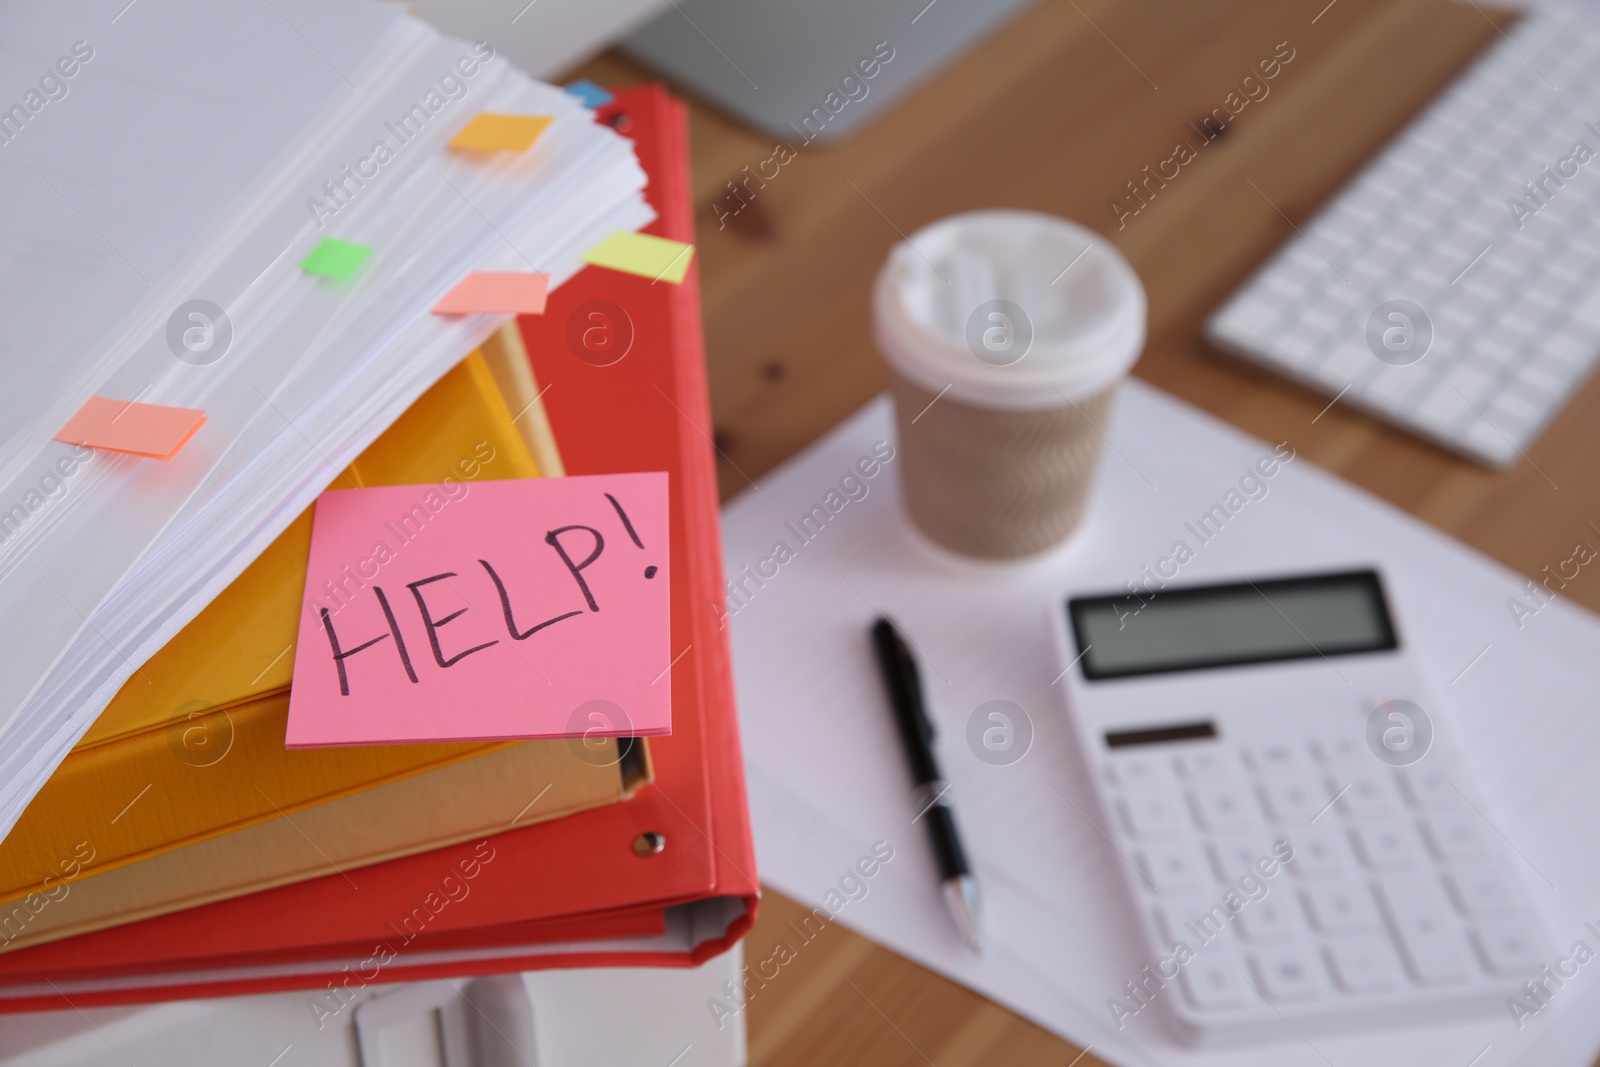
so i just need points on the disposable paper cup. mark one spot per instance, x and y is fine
(1006, 334)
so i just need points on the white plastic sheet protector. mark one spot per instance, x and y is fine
(120, 558)
(827, 779)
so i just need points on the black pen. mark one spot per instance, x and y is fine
(931, 790)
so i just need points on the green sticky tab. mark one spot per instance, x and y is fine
(333, 258)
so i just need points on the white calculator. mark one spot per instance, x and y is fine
(1302, 847)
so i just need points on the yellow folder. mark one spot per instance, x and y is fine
(192, 746)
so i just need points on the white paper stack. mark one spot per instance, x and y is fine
(199, 150)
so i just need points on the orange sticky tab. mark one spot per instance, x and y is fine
(126, 426)
(496, 292)
(489, 132)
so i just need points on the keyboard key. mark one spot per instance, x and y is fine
(1272, 918)
(1479, 893)
(1363, 964)
(1386, 845)
(1319, 852)
(1172, 869)
(1505, 948)
(1214, 980)
(1341, 908)
(1426, 930)
(1149, 813)
(1290, 973)
(1292, 801)
(1224, 807)
(1455, 836)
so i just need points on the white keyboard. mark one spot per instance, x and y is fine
(1399, 904)
(1509, 297)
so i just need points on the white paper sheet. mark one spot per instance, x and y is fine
(827, 780)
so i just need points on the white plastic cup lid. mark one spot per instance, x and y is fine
(1009, 309)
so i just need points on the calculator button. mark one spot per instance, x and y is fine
(1237, 854)
(1425, 929)
(1363, 964)
(1506, 948)
(1385, 845)
(1197, 922)
(1147, 813)
(1274, 757)
(1341, 908)
(1208, 765)
(1479, 893)
(1290, 973)
(1137, 771)
(1272, 918)
(1224, 807)
(1214, 980)
(1454, 836)
(1171, 869)
(1292, 800)
(1340, 750)
(1428, 785)
(1361, 794)
(1319, 852)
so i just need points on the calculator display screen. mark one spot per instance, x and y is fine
(1152, 630)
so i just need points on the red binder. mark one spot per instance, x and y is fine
(572, 892)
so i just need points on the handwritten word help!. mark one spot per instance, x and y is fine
(504, 614)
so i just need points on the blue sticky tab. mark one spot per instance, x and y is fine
(592, 95)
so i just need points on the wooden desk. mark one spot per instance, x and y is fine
(1057, 112)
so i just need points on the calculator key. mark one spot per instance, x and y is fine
(1214, 980)
(1340, 750)
(1274, 757)
(1272, 918)
(1505, 947)
(1148, 813)
(1224, 807)
(1233, 855)
(1428, 784)
(1292, 972)
(1363, 964)
(1197, 922)
(1386, 845)
(1136, 771)
(1295, 801)
(1479, 892)
(1171, 869)
(1454, 836)
(1361, 794)
(1207, 765)
(1341, 908)
(1426, 930)
(1319, 852)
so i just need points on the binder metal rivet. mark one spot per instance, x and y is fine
(649, 843)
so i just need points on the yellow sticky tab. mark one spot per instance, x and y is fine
(489, 132)
(656, 258)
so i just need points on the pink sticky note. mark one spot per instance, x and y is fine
(500, 292)
(476, 611)
(138, 429)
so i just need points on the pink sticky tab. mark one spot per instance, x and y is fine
(499, 292)
(478, 611)
(138, 429)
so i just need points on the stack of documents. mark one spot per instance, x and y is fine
(243, 217)
(180, 839)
